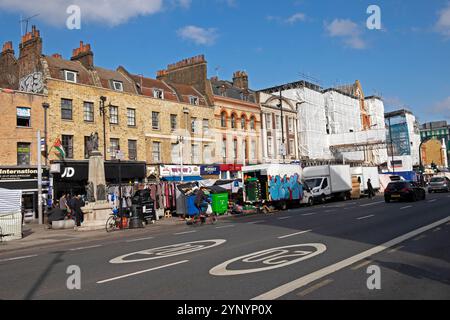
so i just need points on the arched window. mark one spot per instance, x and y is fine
(223, 119)
(233, 121)
(252, 123)
(243, 122)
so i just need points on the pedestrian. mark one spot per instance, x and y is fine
(201, 201)
(76, 204)
(370, 189)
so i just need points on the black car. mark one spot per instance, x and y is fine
(404, 191)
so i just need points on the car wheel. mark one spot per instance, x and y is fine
(430, 191)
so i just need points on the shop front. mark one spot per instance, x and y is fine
(71, 177)
(26, 180)
(180, 173)
(210, 172)
(230, 171)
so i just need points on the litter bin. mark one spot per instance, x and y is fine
(190, 206)
(220, 199)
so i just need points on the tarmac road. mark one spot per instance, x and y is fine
(321, 252)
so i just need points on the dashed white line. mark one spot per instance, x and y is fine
(309, 214)
(294, 234)
(366, 217)
(305, 280)
(223, 227)
(255, 222)
(141, 272)
(284, 218)
(85, 248)
(371, 204)
(187, 232)
(407, 207)
(19, 258)
(141, 239)
(434, 200)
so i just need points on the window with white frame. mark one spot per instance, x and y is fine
(253, 150)
(158, 93)
(205, 126)
(70, 76)
(194, 128)
(131, 117)
(156, 152)
(235, 149)
(193, 100)
(195, 154)
(113, 115)
(117, 85)
(88, 111)
(23, 117)
(175, 152)
(291, 146)
(224, 148)
(291, 124)
(155, 120)
(207, 154)
(269, 121)
(269, 146)
(278, 122)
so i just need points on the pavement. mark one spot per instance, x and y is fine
(333, 251)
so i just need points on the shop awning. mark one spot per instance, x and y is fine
(185, 179)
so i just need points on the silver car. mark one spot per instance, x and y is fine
(439, 184)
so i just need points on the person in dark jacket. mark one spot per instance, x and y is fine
(76, 204)
(201, 201)
(370, 189)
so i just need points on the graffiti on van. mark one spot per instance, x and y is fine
(285, 188)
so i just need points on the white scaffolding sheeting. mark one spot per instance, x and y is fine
(343, 112)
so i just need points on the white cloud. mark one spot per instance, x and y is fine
(110, 12)
(296, 17)
(348, 30)
(198, 35)
(443, 23)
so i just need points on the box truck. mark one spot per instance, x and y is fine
(329, 182)
(276, 184)
(363, 174)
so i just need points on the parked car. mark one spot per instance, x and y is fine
(439, 184)
(404, 191)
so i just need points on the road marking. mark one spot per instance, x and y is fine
(223, 227)
(141, 272)
(19, 258)
(437, 229)
(85, 248)
(361, 265)
(309, 214)
(284, 218)
(294, 234)
(366, 217)
(141, 239)
(396, 249)
(255, 222)
(420, 238)
(327, 211)
(371, 204)
(434, 200)
(315, 287)
(187, 232)
(407, 207)
(303, 281)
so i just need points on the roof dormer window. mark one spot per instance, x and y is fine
(117, 86)
(158, 94)
(70, 76)
(193, 100)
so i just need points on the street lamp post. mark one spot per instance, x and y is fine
(103, 114)
(45, 106)
(392, 146)
(282, 126)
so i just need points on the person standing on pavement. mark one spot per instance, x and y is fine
(370, 189)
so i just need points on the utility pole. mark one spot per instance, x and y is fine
(283, 148)
(392, 146)
(39, 163)
(181, 142)
(45, 106)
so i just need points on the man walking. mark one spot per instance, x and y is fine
(370, 189)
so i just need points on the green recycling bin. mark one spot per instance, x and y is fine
(220, 203)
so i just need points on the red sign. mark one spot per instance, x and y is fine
(231, 167)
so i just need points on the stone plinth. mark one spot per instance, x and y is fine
(95, 216)
(97, 175)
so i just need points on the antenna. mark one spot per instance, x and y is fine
(27, 20)
(217, 71)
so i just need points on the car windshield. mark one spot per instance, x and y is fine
(437, 180)
(314, 183)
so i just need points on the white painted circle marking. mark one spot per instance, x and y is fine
(271, 259)
(168, 251)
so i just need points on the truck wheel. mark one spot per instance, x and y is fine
(311, 202)
(283, 206)
(322, 199)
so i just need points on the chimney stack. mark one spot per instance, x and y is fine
(240, 80)
(8, 48)
(84, 54)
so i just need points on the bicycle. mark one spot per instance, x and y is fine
(203, 219)
(116, 222)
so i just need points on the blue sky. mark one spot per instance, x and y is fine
(407, 61)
